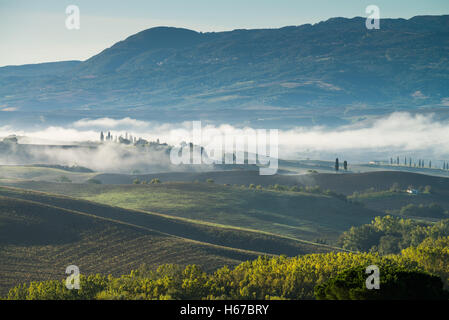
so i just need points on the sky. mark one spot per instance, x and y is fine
(35, 31)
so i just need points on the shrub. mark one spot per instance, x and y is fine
(64, 179)
(93, 181)
(396, 283)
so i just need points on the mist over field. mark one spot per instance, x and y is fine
(372, 139)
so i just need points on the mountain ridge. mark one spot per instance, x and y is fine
(328, 66)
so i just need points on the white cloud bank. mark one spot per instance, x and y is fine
(396, 134)
(108, 123)
(399, 131)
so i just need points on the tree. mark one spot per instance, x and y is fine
(396, 283)
(388, 244)
(337, 165)
(345, 165)
(11, 140)
(93, 181)
(64, 179)
(361, 238)
(395, 187)
(101, 136)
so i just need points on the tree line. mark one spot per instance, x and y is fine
(417, 163)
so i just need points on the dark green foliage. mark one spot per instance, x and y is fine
(64, 179)
(263, 278)
(65, 168)
(395, 187)
(93, 181)
(56, 290)
(396, 283)
(361, 238)
(391, 234)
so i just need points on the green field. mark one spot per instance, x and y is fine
(41, 234)
(42, 174)
(37, 242)
(299, 215)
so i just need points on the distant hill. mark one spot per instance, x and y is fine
(367, 184)
(169, 73)
(345, 183)
(302, 216)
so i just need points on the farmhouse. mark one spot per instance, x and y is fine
(412, 191)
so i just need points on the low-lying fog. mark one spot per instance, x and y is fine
(399, 134)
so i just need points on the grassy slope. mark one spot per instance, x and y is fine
(41, 174)
(179, 227)
(298, 215)
(38, 242)
(345, 183)
(41, 234)
(382, 180)
(382, 201)
(301, 216)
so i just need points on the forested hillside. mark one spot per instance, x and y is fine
(165, 73)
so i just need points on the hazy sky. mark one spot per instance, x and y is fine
(34, 31)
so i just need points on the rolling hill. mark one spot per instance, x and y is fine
(344, 183)
(302, 216)
(43, 173)
(37, 242)
(371, 184)
(41, 234)
(46, 226)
